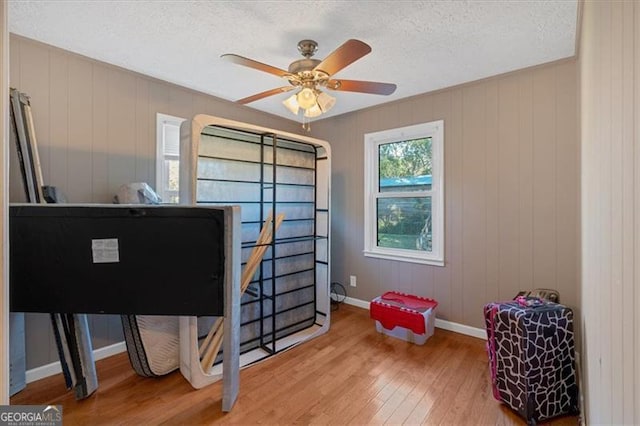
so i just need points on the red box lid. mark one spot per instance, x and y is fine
(394, 309)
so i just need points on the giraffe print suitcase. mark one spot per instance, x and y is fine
(531, 357)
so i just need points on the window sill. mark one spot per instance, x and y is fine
(401, 258)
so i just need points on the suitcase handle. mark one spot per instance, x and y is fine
(530, 302)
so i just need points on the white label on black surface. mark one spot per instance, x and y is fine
(105, 250)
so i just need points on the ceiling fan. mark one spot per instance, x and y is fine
(310, 75)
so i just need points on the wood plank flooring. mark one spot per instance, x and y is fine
(351, 375)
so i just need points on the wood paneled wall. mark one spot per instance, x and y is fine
(511, 199)
(96, 130)
(610, 120)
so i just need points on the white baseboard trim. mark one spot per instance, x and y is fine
(440, 323)
(55, 367)
(461, 328)
(356, 302)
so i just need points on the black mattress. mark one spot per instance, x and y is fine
(117, 259)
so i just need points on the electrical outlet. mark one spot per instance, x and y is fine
(352, 280)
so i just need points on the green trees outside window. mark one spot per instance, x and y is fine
(404, 220)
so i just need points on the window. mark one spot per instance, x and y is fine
(168, 157)
(404, 194)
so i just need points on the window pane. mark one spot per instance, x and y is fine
(172, 175)
(172, 198)
(405, 166)
(405, 223)
(171, 139)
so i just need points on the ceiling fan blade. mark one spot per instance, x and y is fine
(349, 52)
(266, 94)
(241, 60)
(362, 86)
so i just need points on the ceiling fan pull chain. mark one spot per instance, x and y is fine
(306, 123)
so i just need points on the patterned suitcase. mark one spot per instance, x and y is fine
(532, 358)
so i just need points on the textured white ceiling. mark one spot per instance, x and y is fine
(419, 45)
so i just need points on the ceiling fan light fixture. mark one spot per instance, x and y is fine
(292, 104)
(306, 98)
(314, 111)
(326, 101)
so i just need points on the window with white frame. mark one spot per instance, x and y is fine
(404, 194)
(168, 157)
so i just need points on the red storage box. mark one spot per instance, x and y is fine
(404, 316)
